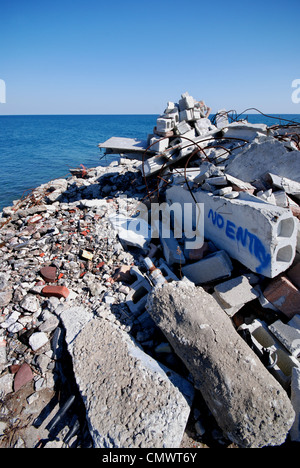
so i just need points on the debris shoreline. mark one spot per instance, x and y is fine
(87, 358)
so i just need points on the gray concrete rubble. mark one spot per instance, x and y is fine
(154, 302)
(141, 403)
(249, 404)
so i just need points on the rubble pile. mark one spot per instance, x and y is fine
(113, 335)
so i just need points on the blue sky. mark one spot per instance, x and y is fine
(131, 57)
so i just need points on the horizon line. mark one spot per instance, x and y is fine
(126, 114)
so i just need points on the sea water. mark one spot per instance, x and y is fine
(37, 149)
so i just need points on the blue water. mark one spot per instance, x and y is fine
(36, 149)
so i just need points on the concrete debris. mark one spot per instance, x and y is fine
(106, 322)
(226, 371)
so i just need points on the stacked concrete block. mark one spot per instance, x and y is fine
(281, 361)
(186, 102)
(159, 144)
(164, 125)
(259, 235)
(182, 128)
(186, 114)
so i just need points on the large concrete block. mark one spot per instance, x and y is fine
(131, 400)
(259, 235)
(250, 406)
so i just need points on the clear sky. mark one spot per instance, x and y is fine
(133, 56)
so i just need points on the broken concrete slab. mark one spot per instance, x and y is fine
(134, 232)
(236, 292)
(213, 267)
(260, 158)
(259, 235)
(228, 373)
(288, 185)
(131, 400)
(117, 145)
(245, 131)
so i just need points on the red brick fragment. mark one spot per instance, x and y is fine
(294, 275)
(284, 296)
(49, 273)
(23, 376)
(56, 291)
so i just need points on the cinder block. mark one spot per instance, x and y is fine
(287, 335)
(187, 115)
(158, 144)
(282, 362)
(186, 102)
(137, 297)
(213, 267)
(164, 125)
(259, 235)
(283, 295)
(183, 127)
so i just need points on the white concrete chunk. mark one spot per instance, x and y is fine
(259, 235)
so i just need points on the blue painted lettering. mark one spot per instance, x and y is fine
(230, 229)
(243, 236)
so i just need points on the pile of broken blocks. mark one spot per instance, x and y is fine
(113, 338)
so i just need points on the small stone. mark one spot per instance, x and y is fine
(5, 297)
(232, 194)
(49, 325)
(32, 398)
(11, 319)
(6, 384)
(37, 340)
(30, 303)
